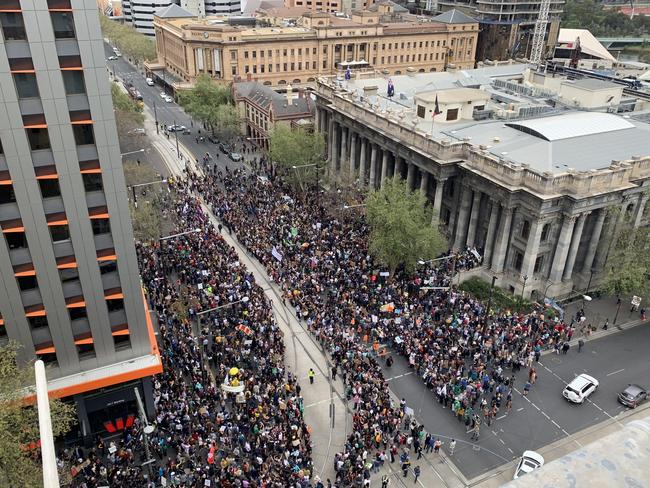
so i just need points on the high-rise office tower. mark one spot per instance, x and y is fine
(70, 291)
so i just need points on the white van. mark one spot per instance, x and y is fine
(149, 81)
(580, 388)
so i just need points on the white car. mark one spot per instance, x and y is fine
(112, 58)
(117, 53)
(580, 388)
(530, 461)
(137, 132)
(169, 99)
(163, 95)
(149, 81)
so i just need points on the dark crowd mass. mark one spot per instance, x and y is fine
(467, 357)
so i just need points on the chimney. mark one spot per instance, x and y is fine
(249, 77)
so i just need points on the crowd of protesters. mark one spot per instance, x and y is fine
(205, 436)
(331, 282)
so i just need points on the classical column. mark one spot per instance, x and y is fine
(437, 201)
(397, 172)
(335, 150)
(492, 228)
(463, 215)
(640, 207)
(344, 148)
(562, 249)
(353, 156)
(384, 167)
(424, 183)
(373, 166)
(595, 239)
(410, 176)
(532, 248)
(573, 250)
(503, 239)
(362, 162)
(473, 219)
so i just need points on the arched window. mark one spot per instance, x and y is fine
(525, 229)
(297, 80)
(309, 80)
(282, 82)
(267, 83)
(398, 72)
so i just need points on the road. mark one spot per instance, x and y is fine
(535, 421)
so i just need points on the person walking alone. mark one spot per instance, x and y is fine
(416, 472)
(452, 446)
(581, 344)
(311, 373)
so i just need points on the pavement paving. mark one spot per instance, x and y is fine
(543, 418)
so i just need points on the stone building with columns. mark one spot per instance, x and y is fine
(540, 197)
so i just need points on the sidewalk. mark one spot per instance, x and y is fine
(325, 409)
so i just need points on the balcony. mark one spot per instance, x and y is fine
(103, 241)
(86, 152)
(111, 280)
(53, 205)
(117, 317)
(41, 336)
(62, 249)
(31, 297)
(42, 157)
(30, 106)
(78, 102)
(95, 199)
(20, 256)
(72, 289)
(80, 327)
(17, 49)
(67, 47)
(9, 211)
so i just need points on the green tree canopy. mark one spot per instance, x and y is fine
(628, 265)
(19, 424)
(128, 117)
(590, 14)
(297, 147)
(204, 100)
(132, 43)
(147, 216)
(400, 227)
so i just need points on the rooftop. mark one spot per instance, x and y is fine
(173, 11)
(269, 99)
(592, 84)
(454, 16)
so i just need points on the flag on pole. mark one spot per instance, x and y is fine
(244, 329)
(348, 73)
(391, 88)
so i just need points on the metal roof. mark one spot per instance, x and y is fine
(454, 17)
(577, 124)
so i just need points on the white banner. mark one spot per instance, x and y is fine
(276, 254)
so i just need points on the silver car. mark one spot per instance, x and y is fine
(632, 396)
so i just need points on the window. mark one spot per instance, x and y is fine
(233, 55)
(26, 85)
(26, 282)
(101, 226)
(245, 54)
(59, 233)
(254, 54)
(38, 139)
(452, 114)
(122, 341)
(77, 313)
(107, 267)
(421, 111)
(85, 351)
(519, 260)
(539, 262)
(525, 229)
(16, 240)
(92, 181)
(74, 82)
(13, 27)
(63, 24)
(7, 194)
(37, 322)
(49, 188)
(83, 134)
(70, 274)
(115, 305)
(545, 231)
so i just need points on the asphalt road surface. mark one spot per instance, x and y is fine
(544, 416)
(535, 421)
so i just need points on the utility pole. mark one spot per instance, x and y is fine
(147, 429)
(178, 151)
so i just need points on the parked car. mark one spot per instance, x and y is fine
(176, 128)
(163, 95)
(186, 131)
(224, 148)
(169, 99)
(149, 81)
(213, 140)
(632, 396)
(580, 388)
(139, 131)
(530, 461)
(117, 53)
(235, 156)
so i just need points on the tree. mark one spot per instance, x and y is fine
(400, 228)
(132, 43)
(203, 101)
(628, 266)
(590, 14)
(128, 117)
(147, 217)
(298, 147)
(227, 122)
(19, 462)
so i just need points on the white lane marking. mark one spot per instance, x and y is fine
(400, 376)
(538, 409)
(616, 372)
(494, 432)
(520, 409)
(556, 424)
(318, 403)
(565, 432)
(511, 451)
(501, 441)
(546, 415)
(502, 417)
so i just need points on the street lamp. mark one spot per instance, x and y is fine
(489, 303)
(133, 187)
(148, 429)
(444, 258)
(173, 236)
(523, 288)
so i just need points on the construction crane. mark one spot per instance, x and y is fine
(537, 51)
